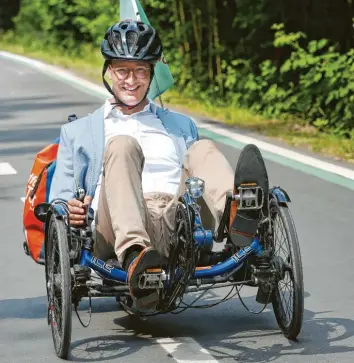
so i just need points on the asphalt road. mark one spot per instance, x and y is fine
(32, 108)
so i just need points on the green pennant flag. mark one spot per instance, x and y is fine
(163, 80)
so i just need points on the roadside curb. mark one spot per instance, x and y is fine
(307, 164)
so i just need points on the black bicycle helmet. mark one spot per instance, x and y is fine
(130, 40)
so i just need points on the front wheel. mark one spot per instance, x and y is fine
(288, 294)
(58, 280)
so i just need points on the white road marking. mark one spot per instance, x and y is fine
(7, 169)
(186, 350)
(101, 92)
(289, 154)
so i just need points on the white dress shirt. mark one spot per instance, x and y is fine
(162, 170)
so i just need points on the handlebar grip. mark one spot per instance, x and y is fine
(80, 194)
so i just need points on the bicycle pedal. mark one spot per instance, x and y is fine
(250, 197)
(152, 278)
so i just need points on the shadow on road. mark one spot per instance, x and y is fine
(239, 337)
(30, 134)
(24, 151)
(36, 307)
(38, 137)
(9, 107)
(28, 308)
(227, 332)
(100, 349)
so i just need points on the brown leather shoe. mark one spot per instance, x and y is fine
(148, 258)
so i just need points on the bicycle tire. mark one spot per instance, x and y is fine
(291, 328)
(57, 252)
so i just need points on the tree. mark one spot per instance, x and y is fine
(8, 9)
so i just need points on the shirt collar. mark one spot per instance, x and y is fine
(108, 107)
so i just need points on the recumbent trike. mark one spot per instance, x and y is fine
(272, 262)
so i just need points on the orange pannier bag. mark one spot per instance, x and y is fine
(37, 191)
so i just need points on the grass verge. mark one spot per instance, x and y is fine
(292, 131)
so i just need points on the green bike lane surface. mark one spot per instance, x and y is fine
(32, 108)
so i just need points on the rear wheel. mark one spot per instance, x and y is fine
(58, 280)
(288, 294)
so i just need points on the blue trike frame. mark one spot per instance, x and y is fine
(200, 236)
(254, 265)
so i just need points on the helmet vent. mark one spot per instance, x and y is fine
(119, 43)
(132, 37)
(158, 50)
(144, 40)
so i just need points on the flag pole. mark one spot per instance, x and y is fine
(138, 18)
(136, 11)
(163, 79)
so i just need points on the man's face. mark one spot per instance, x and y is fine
(130, 80)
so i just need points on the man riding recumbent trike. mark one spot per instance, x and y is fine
(137, 201)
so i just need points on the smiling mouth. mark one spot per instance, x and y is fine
(131, 89)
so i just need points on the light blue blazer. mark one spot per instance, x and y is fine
(81, 148)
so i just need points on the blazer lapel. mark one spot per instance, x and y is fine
(174, 131)
(96, 132)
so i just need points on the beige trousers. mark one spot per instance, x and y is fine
(126, 216)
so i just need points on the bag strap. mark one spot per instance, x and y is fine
(33, 192)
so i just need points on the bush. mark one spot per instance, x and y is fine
(315, 82)
(65, 24)
(220, 62)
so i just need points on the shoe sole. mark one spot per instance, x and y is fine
(250, 170)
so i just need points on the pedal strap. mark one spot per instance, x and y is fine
(224, 221)
(243, 225)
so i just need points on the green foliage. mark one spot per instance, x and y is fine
(274, 57)
(64, 23)
(94, 17)
(315, 82)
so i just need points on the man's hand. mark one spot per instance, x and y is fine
(78, 211)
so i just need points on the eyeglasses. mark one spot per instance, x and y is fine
(139, 72)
